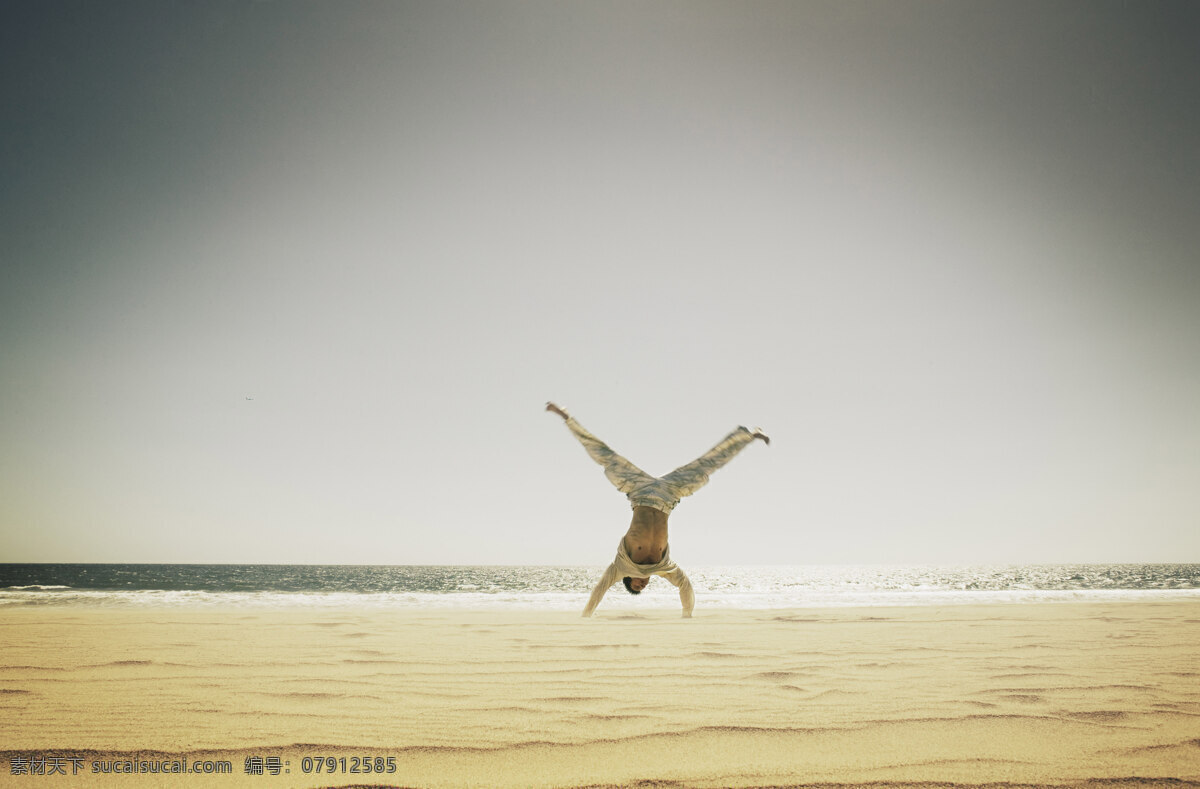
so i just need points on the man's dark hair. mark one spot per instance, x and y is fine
(629, 588)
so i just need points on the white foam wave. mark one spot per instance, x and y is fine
(664, 596)
(38, 586)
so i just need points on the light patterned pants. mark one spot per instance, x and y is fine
(661, 493)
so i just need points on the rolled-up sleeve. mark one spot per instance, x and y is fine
(687, 596)
(606, 581)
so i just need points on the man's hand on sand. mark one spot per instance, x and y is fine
(554, 409)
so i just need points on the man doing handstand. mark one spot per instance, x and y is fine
(643, 551)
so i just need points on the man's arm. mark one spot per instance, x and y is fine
(687, 596)
(606, 581)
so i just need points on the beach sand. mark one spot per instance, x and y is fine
(1028, 694)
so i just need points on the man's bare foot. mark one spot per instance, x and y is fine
(758, 433)
(554, 409)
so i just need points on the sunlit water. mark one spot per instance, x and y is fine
(567, 588)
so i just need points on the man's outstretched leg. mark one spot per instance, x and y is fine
(689, 478)
(620, 472)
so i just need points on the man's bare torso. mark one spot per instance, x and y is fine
(646, 540)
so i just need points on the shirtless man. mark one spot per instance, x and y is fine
(643, 551)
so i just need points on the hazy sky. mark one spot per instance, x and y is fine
(946, 253)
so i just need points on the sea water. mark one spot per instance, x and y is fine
(568, 588)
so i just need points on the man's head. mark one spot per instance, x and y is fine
(635, 585)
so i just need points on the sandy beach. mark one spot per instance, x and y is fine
(1038, 694)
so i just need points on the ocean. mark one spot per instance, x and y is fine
(567, 588)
